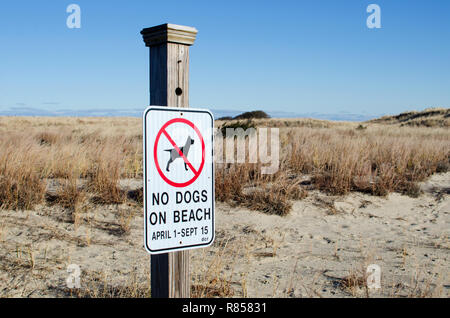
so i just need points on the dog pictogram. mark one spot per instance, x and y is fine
(174, 154)
(184, 179)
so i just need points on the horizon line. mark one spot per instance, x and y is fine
(218, 113)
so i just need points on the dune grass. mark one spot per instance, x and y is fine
(91, 155)
(86, 158)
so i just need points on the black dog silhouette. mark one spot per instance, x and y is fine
(174, 153)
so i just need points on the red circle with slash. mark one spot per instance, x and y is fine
(195, 171)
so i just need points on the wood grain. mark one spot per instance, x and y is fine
(169, 86)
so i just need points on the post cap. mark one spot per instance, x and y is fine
(169, 33)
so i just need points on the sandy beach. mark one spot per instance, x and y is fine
(321, 249)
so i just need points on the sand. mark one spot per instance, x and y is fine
(309, 253)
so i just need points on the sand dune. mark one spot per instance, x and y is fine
(346, 195)
(308, 253)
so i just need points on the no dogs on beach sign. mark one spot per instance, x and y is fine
(178, 179)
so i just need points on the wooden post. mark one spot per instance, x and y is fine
(169, 86)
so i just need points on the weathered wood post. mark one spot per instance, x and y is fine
(169, 86)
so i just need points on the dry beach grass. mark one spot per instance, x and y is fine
(71, 190)
(95, 154)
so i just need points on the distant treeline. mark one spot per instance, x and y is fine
(256, 114)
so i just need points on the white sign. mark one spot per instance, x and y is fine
(178, 179)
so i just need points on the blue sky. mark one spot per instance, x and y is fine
(314, 56)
